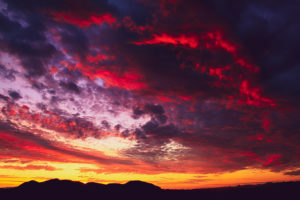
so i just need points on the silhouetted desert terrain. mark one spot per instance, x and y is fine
(66, 189)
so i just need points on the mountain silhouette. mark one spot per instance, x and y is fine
(56, 189)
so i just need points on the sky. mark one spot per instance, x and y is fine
(182, 94)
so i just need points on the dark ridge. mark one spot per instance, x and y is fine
(29, 184)
(56, 189)
(141, 186)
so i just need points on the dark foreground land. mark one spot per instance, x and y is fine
(64, 189)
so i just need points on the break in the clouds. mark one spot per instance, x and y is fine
(144, 86)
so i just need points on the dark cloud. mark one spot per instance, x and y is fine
(268, 31)
(79, 7)
(139, 11)
(293, 173)
(117, 127)
(15, 95)
(28, 43)
(74, 41)
(41, 106)
(137, 112)
(153, 129)
(71, 86)
(105, 124)
(156, 111)
(5, 98)
(7, 73)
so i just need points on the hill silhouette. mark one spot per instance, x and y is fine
(65, 189)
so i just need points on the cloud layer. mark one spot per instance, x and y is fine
(143, 86)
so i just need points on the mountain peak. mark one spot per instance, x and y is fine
(141, 185)
(29, 184)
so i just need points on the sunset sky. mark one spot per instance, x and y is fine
(178, 93)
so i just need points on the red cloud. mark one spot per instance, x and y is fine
(130, 79)
(168, 39)
(218, 41)
(252, 95)
(273, 160)
(83, 22)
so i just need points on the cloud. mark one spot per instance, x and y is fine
(15, 95)
(7, 73)
(71, 86)
(293, 173)
(211, 85)
(33, 141)
(30, 167)
(90, 11)
(156, 111)
(18, 41)
(257, 28)
(154, 129)
(5, 98)
(74, 41)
